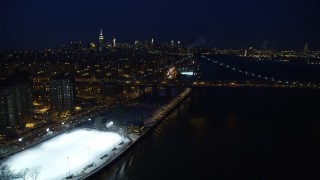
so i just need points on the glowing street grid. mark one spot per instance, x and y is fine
(74, 150)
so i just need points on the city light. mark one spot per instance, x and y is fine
(30, 125)
(109, 124)
(187, 73)
(207, 71)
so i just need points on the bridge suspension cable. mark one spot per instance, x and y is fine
(247, 73)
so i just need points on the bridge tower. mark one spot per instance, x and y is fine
(196, 64)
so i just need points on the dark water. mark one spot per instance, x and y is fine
(278, 70)
(225, 133)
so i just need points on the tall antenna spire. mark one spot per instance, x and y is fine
(101, 36)
(101, 39)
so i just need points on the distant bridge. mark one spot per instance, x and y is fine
(147, 81)
(202, 83)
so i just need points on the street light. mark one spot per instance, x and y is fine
(48, 129)
(88, 154)
(68, 165)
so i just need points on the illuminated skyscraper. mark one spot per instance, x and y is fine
(136, 43)
(114, 42)
(101, 39)
(61, 96)
(245, 52)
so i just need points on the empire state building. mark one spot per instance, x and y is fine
(101, 39)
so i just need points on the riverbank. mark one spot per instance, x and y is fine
(96, 162)
(149, 125)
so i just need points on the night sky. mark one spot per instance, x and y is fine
(38, 24)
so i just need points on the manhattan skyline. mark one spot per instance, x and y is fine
(159, 89)
(268, 25)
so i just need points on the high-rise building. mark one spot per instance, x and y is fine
(7, 111)
(250, 51)
(306, 51)
(23, 96)
(172, 43)
(114, 42)
(91, 46)
(76, 45)
(101, 39)
(306, 48)
(61, 96)
(136, 43)
(245, 53)
(15, 105)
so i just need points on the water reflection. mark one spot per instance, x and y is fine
(209, 138)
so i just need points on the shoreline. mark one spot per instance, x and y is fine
(130, 139)
(155, 120)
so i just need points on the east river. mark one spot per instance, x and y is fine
(231, 133)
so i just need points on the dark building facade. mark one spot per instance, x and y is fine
(7, 112)
(15, 106)
(62, 96)
(23, 98)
